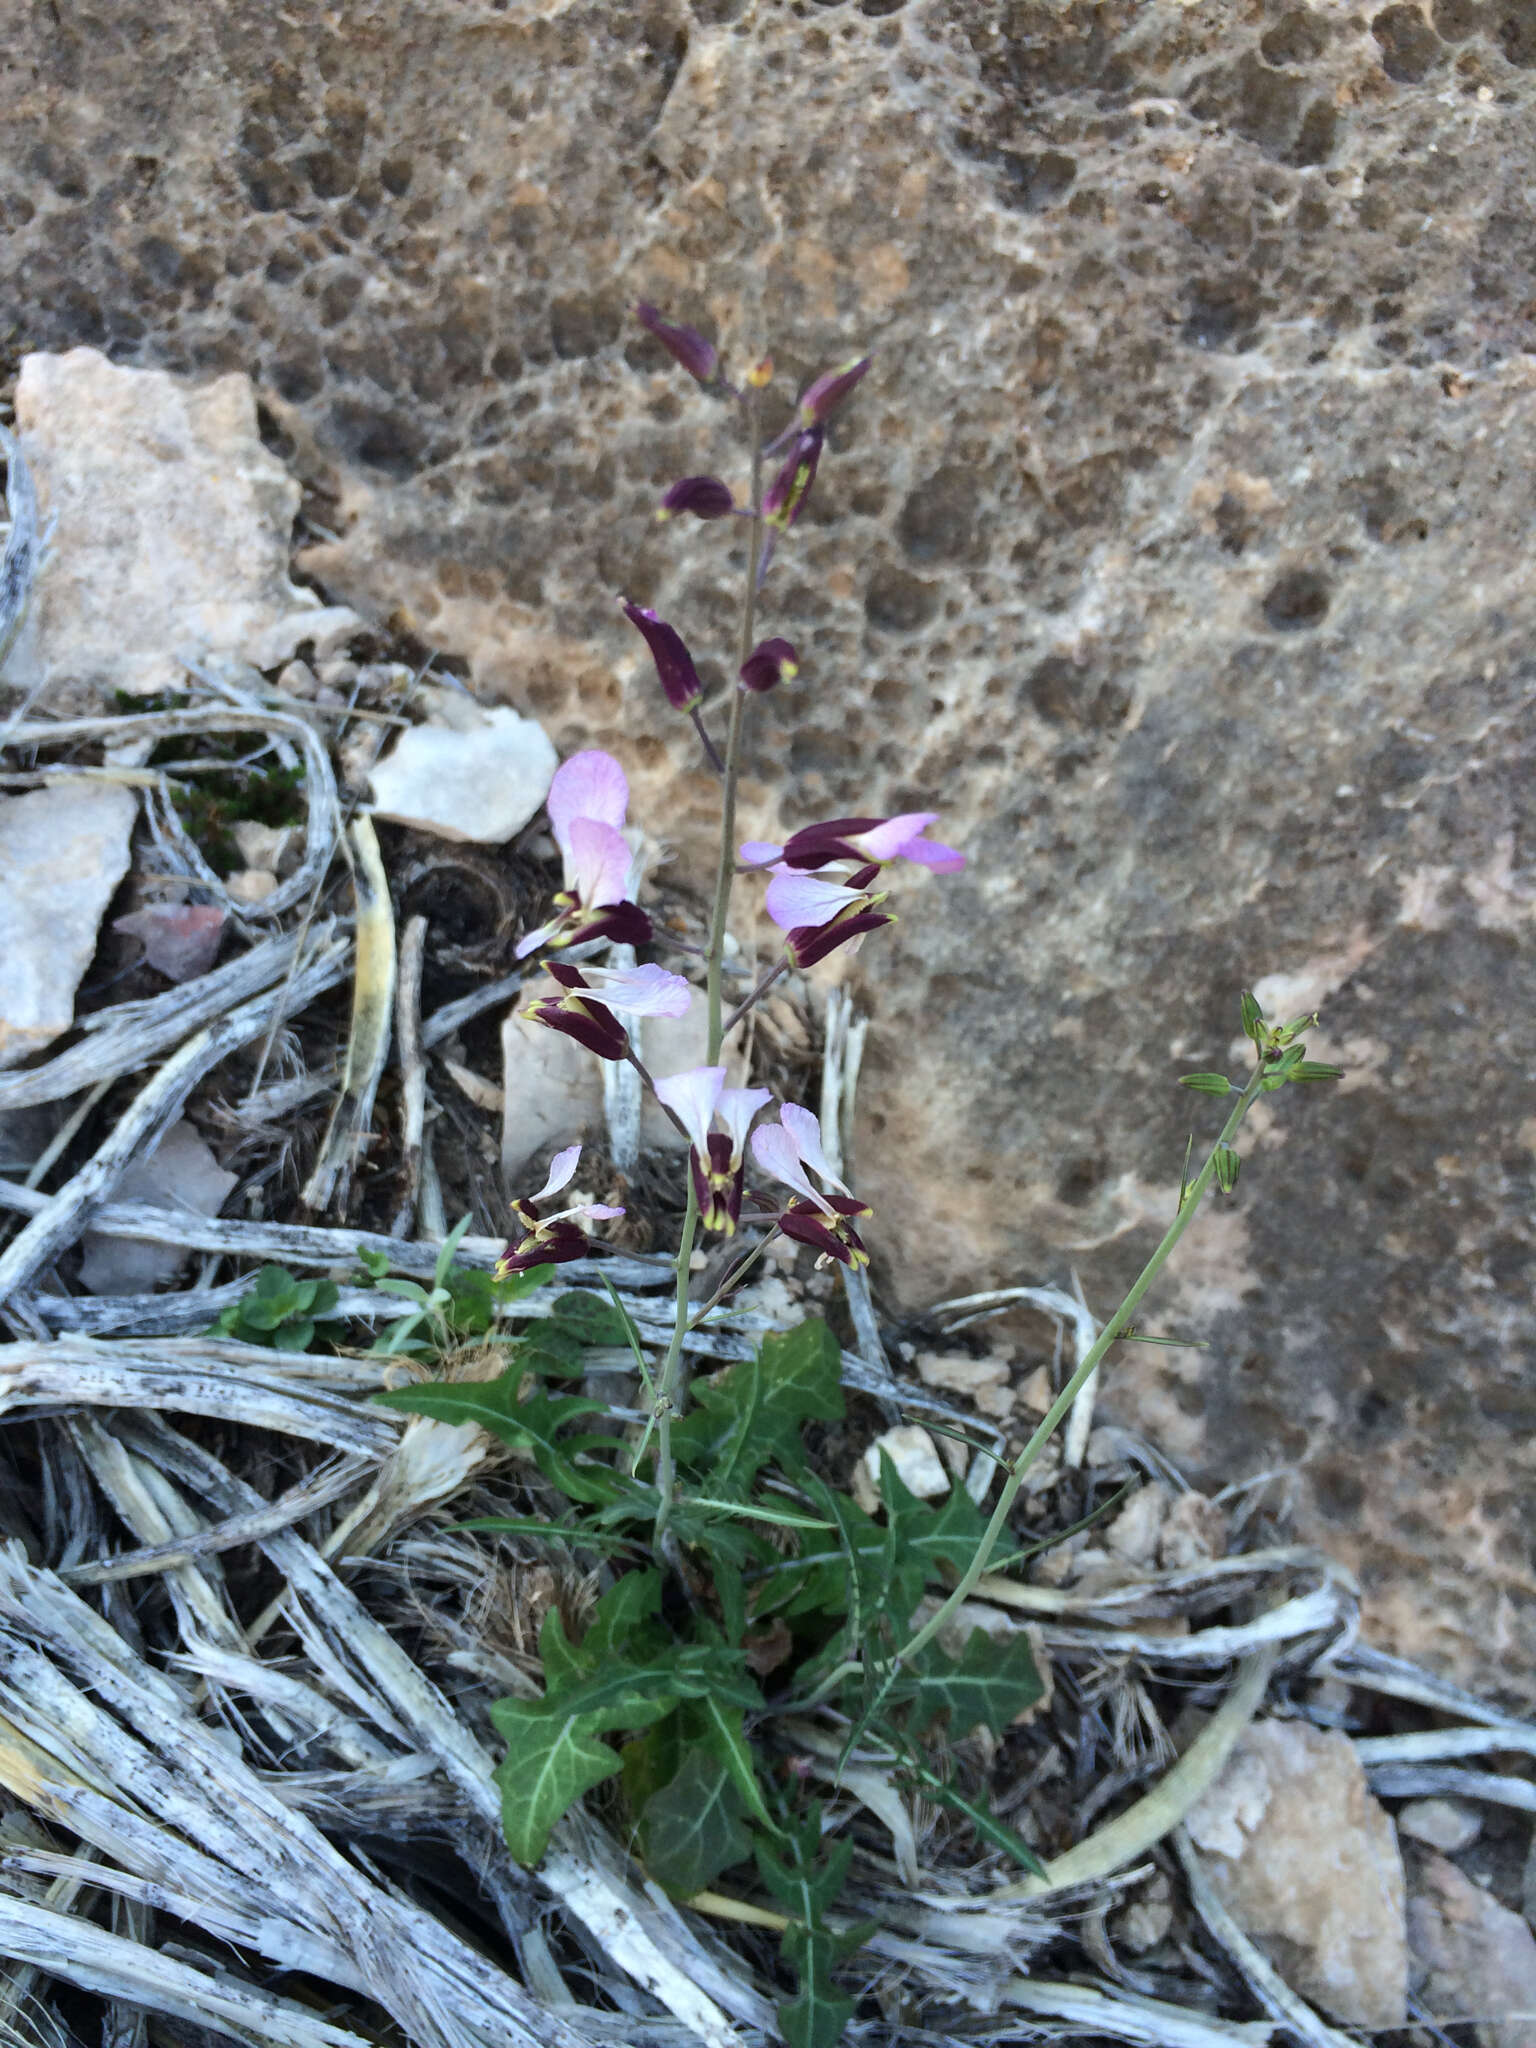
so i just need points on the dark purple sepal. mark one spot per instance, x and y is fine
(814, 845)
(685, 345)
(808, 943)
(674, 664)
(834, 1239)
(821, 399)
(587, 1022)
(717, 1182)
(552, 1244)
(706, 497)
(770, 662)
(784, 500)
(625, 924)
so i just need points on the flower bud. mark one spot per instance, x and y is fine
(685, 345)
(785, 497)
(674, 664)
(760, 376)
(704, 496)
(770, 662)
(820, 400)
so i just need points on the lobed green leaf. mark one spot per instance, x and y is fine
(987, 1686)
(752, 1414)
(691, 1829)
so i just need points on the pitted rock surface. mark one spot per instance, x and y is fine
(1177, 547)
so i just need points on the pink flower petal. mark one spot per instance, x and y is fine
(890, 840)
(692, 1096)
(805, 1129)
(597, 861)
(562, 1171)
(928, 853)
(759, 853)
(775, 1150)
(589, 785)
(736, 1109)
(531, 941)
(795, 899)
(639, 991)
(597, 1212)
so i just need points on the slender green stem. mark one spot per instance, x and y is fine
(758, 993)
(667, 1390)
(1194, 1195)
(734, 1276)
(727, 869)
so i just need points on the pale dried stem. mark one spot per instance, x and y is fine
(373, 995)
(145, 1120)
(413, 1070)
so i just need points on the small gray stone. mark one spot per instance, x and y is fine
(181, 1173)
(62, 852)
(1448, 1824)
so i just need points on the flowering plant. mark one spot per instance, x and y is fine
(737, 1527)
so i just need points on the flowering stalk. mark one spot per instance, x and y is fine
(727, 869)
(672, 1365)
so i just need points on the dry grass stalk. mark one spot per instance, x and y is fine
(1263, 1979)
(59, 1222)
(373, 999)
(413, 1068)
(319, 788)
(127, 1036)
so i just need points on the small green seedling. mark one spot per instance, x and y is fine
(281, 1311)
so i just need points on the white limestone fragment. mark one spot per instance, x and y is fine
(63, 851)
(172, 526)
(482, 785)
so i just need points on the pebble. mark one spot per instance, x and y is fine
(482, 786)
(1448, 1824)
(181, 1173)
(915, 1456)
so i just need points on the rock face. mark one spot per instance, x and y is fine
(1308, 1865)
(1176, 547)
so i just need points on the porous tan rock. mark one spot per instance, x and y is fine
(1176, 547)
(1308, 1864)
(171, 527)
